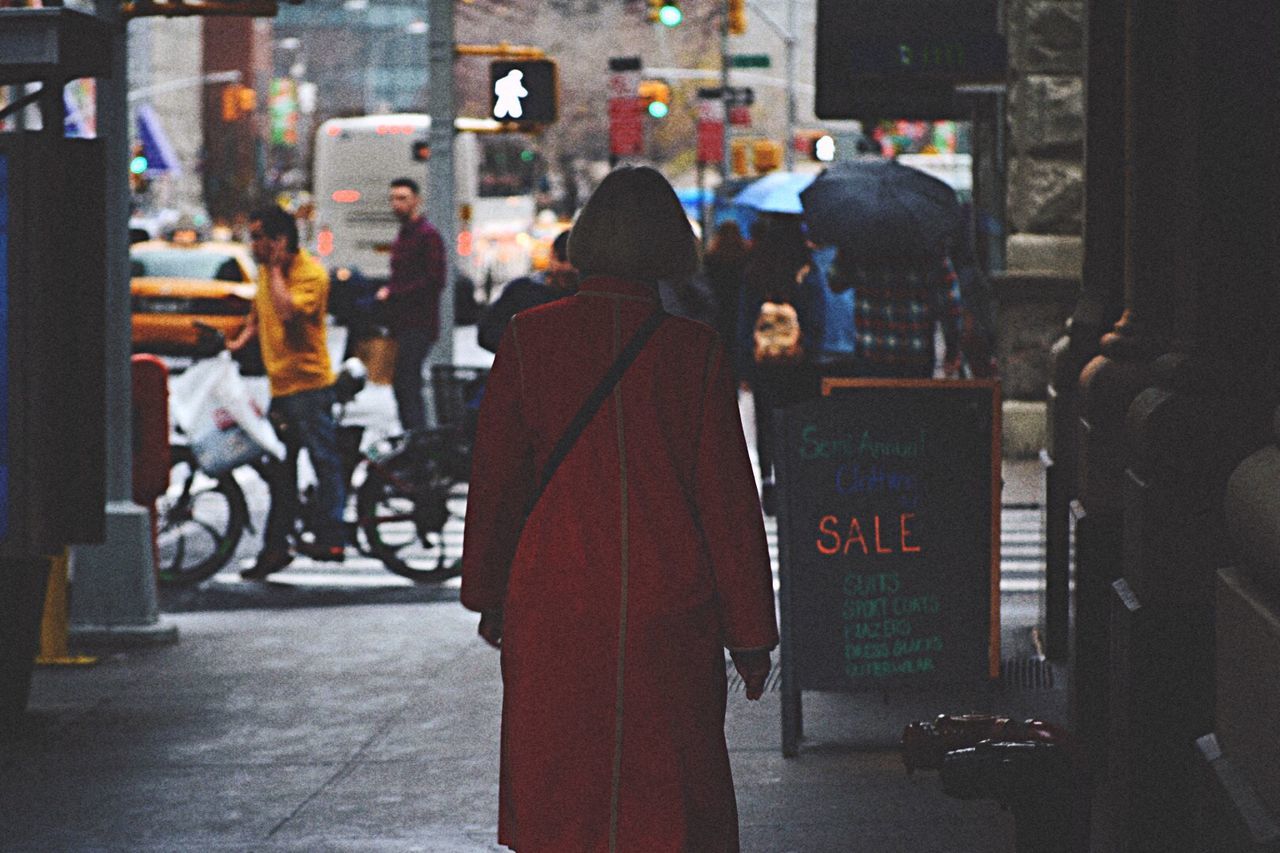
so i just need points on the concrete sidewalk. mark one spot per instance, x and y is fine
(376, 728)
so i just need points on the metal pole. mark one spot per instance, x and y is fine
(788, 149)
(185, 83)
(724, 88)
(441, 210)
(115, 590)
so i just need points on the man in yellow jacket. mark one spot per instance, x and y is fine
(289, 319)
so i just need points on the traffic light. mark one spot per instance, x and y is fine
(737, 17)
(237, 101)
(656, 95)
(670, 15)
(738, 156)
(138, 165)
(766, 155)
(665, 12)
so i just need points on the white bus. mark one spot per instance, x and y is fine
(355, 161)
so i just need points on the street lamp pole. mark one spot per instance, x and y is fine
(724, 91)
(789, 40)
(788, 144)
(441, 210)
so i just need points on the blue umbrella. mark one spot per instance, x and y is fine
(776, 192)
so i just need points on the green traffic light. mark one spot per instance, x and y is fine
(527, 156)
(670, 15)
(138, 165)
(657, 109)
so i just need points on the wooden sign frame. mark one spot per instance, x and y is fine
(834, 386)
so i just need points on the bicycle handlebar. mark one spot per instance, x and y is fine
(209, 340)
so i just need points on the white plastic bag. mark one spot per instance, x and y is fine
(211, 403)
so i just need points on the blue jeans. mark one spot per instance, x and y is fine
(305, 419)
(412, 346)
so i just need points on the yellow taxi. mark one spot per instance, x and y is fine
(179, 282)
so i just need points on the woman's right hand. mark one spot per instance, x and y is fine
(754, 669)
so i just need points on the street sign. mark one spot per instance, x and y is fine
(904, 59)
(624, 63)
(710, 127)
(626, 123)
(739, 96)
(525, 91)
(626, 126)
(749, 60)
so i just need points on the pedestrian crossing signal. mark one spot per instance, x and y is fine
(524, 91)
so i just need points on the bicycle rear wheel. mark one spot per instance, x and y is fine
(402, 507)
(200, 520)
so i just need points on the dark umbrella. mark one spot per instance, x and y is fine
(877, 208)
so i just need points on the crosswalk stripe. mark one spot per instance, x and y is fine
(1022, 558)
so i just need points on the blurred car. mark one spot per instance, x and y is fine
(176, 284)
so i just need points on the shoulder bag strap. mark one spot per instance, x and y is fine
(592, 403)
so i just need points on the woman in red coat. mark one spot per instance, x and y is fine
(644, 558)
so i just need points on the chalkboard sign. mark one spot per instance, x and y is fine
(888, 537)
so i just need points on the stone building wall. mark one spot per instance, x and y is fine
(1045, 199)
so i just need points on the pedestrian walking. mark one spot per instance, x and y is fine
(893, 227)
(978, 337)
(723, 265)
(557, 280)
(289, 320)
(836, 351)
(613, 591)
(777, 331)
(411, 298)
(898, 302)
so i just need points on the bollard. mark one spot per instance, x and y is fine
(54, 649)
(1027, 766)
(150, 428)
(925, 743)
(1031, 779)
(151, 460)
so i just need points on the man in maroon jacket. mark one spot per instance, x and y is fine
(412, 298)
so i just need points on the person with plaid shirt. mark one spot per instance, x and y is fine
(896, 306)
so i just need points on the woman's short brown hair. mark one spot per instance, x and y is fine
(633, 227)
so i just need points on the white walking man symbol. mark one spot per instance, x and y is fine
(509, 91)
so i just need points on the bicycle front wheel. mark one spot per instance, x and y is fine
(200, 520)
(404, 525)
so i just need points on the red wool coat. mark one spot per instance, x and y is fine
(645, 557)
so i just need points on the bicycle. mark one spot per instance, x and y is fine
(402, 505)
(401, 486)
